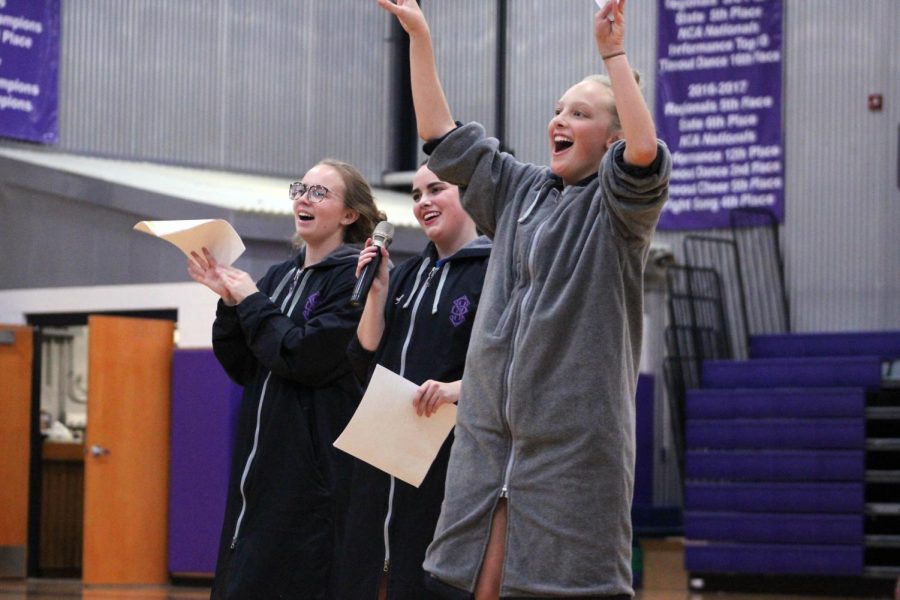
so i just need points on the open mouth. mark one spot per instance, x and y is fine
(305, 216)
(430, 216)
(561, 144)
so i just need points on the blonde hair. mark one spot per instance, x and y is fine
(604, 80)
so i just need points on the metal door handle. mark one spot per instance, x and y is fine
(98, 450)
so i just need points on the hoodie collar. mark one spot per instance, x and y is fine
(480, 246)
(339, 256)
(585, 181)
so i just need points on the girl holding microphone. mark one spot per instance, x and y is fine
(417, 323)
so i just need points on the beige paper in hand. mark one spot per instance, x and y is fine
(387, 433)
(217, 235)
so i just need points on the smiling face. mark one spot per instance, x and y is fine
(319, 223)
(580, 132)
(439, 213)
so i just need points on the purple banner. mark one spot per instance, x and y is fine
(29, 67)
(718, 107)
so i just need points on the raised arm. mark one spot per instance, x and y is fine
(433, 115)
(638, 129)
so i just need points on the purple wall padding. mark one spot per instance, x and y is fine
(847, 371)
(643, 468)
(777, 434)
(801, 497)
(784, 403)
(885, 344)
(760, 528)
(775, 559)
(204, 408)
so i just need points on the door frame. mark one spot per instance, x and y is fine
(37, 322)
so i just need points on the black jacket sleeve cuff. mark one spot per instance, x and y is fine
(360, 360)
(227, 315)
(634, 170)
(433, 143)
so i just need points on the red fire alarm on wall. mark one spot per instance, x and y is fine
(875, 101)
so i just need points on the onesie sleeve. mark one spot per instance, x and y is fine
(635, 195)
(313, 354)
(487, 177)
(229, 345)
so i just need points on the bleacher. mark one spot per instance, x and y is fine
(789, 443)
(789, 459)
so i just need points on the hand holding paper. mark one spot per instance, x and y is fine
(433, 394)
(205, 271)
(192, 236)
(387, 433)
(602, 4)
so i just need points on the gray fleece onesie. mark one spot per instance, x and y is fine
(546, 413)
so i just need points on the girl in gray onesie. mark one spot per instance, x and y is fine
(540, 478)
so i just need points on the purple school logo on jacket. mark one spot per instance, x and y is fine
(459, 311)
(310, 305)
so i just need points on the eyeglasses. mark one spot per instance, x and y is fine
(316, 193)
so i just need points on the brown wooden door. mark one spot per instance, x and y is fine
(127, 450)
(16, 353)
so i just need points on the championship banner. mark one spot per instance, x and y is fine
(718, 107)
(29, 67)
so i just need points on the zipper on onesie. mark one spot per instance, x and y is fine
(529, 263)
(412, 323)
(262, 395)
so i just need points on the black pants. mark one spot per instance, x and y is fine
(453, 593)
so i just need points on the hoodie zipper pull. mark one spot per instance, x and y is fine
(430, 275)
(294, 283)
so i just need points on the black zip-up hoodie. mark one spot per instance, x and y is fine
(428, 321)
(289, 487)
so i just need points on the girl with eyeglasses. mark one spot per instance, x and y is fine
(417, 323)
(284, 339)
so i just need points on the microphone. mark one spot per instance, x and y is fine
(381, 237)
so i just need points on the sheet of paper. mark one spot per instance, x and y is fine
(387, 433)
(192, 236)
(602, 3)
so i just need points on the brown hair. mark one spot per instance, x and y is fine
(615, 124)
(357, 196)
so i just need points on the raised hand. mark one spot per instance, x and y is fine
(204, 269)
(408, 13)
(609, 28)
(432, 394)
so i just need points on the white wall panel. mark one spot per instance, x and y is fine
(842, 202)
(196, 305)
(259, 87)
